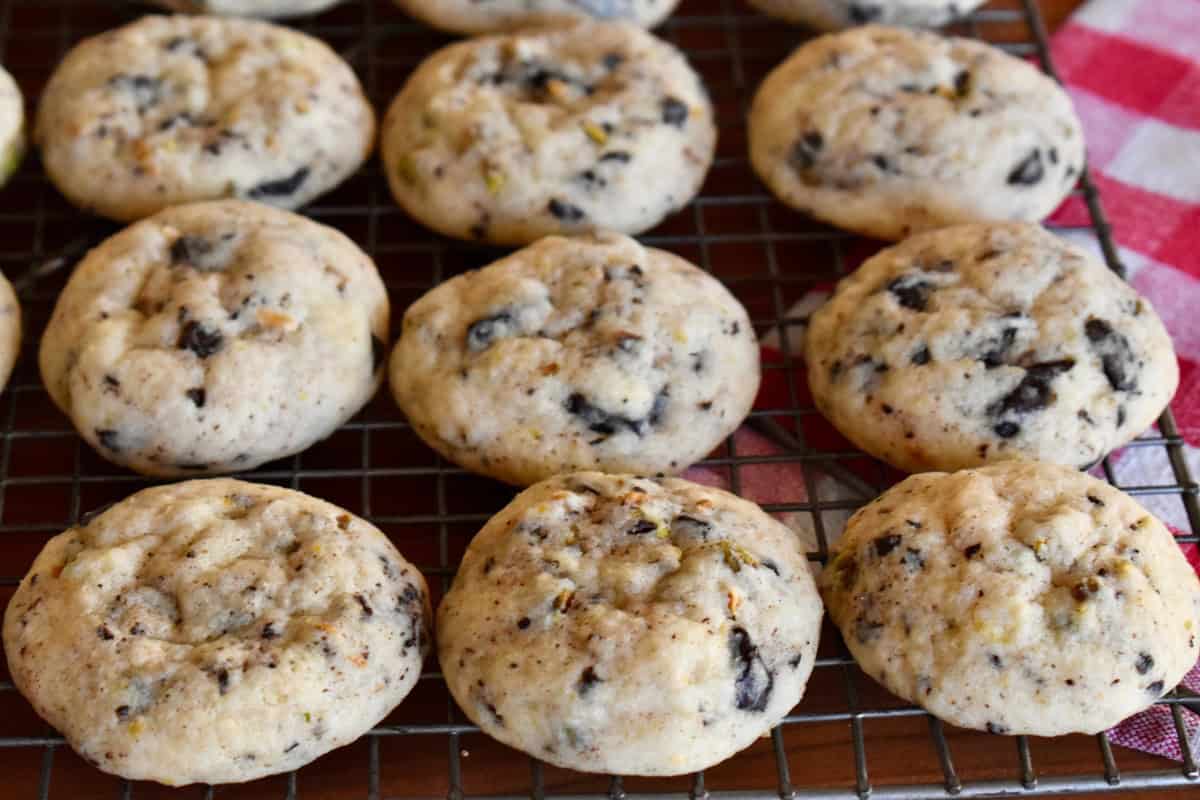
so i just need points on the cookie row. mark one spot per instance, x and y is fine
(595, 125)
(957, 348)
(506, 138)
(231, 630)
(880, 130)
(215, 337)
(632, 626)
(218, 336)
(12, 150)
(599, 622)
(884, 131)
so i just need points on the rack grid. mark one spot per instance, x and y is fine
(848, 738)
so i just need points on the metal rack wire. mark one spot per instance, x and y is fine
(376, 467)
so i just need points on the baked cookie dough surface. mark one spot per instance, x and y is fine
(10, 330)
(216, 631)
(12, 126)
(174, 109)
(987, 342)
(591, 352)
(888, 131)
(249, 8)
(1021, 598)
(510, 138)
(215, 337)
(615, 624)
(835, 14)
(473, 17)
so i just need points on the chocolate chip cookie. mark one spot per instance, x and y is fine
(988, 342)
(1021, 598)
(608, 623)
(214, 337)
(585, 353)
(10, 330)
(175, 109)
(887, 131)
(510, 138)
(12, 126)
(216, 631)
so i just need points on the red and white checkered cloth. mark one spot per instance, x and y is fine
(1132, 68)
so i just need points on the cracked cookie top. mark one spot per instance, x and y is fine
(987, 342)
(585, 353)
(615, 624)
(559, 130)
(1022, 598)
(888, 131)
(176, 109)
(214, 337)
(216, 631)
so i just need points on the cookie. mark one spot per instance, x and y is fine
(249, 8)
(12, 126)
(170, 110)
(887, 131)
(1021, 598)
(585, 353)
(830, 15)
(10, 330)
(510, 138)
(473, 17)
(216, 631)
(215, 337)
(607, 623)
(988, 342)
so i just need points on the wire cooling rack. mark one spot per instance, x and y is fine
(848, 738)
